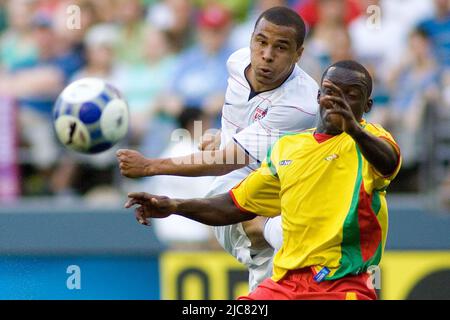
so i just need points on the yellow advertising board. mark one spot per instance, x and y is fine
(415, 275)
(217, 275)
(202, 276)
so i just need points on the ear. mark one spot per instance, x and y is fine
(299, 53)
(318, 96)
(368, 106)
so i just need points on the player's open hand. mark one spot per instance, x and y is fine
(340, 108)
(132, 164)
(150, 206)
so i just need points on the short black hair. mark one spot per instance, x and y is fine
(421, 32)
(354, 66)
(283, 16)
(189, 115)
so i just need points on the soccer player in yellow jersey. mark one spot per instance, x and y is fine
(329, 185)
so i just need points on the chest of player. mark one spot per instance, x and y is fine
(243, 110)
(245, 113)
(314, 165)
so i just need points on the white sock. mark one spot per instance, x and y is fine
(273, 232)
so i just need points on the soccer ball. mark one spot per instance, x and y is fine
(90, 116)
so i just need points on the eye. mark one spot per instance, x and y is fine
(261, 42)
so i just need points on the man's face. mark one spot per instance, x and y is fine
(354, 88)
(274, 52)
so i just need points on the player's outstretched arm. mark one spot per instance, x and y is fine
(133, 164)
(215, 211)
(379, 152)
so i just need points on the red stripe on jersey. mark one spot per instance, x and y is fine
(369, 227)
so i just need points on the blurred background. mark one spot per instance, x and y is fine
(168, 58)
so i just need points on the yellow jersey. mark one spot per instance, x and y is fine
(331, 199)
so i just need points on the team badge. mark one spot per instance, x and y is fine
(259, 114)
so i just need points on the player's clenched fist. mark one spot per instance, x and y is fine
(132, 164)
(209, 142)
(150, 206)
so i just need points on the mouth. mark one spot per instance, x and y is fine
(265, 72)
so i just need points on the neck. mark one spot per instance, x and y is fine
(330, 131)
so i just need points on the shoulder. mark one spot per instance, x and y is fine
(378, 131)
(374, 128)
(303, 82)
(239, 55)
(299, 91)
(238, 60)
(294, 138)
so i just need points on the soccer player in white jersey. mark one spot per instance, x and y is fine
(267, 96)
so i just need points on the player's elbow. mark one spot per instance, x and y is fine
(390, 165)
(255, 232)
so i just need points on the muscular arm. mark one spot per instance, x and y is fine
(379, 152)
(204, 163)
(215, 211)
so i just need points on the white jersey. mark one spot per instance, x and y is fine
(255, 124)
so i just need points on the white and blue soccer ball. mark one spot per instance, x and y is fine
(90, 116)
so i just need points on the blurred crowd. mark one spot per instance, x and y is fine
(168, 58)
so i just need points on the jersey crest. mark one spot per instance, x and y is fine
(259, 114)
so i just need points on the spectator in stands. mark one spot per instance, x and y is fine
(174, 17)
(414, 87)
(199, 79)
(243, 31)
(380, 37)
(71, 36)
(310, 10)
(130, 46)
(201, 76)
(438, 28)
(142, 83)
(321, 41)
(16, 43)
(100, 42)
(35, 85)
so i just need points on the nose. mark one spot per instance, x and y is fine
(267, 54)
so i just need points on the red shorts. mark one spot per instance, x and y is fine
(300, 285)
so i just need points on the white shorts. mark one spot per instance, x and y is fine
(37, 131)
(233, 238)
